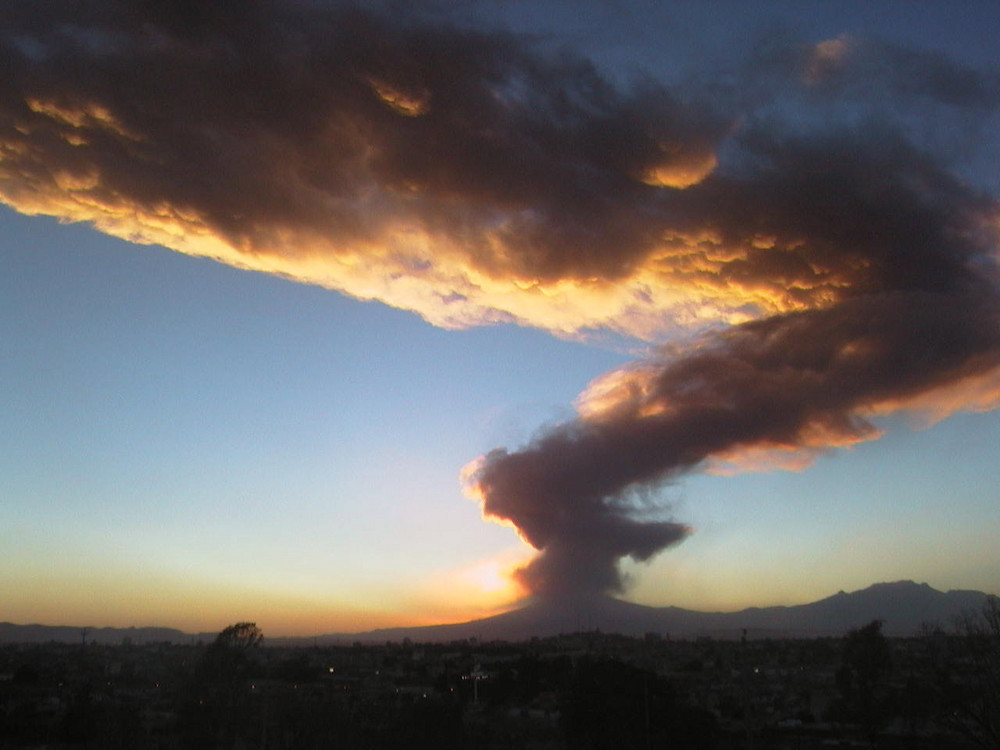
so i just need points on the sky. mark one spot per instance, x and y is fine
(333, 317)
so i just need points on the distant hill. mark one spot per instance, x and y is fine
(10, 633)
(904, 606)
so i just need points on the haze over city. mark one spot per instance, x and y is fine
(337, 316)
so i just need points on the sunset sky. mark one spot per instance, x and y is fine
(702, 298)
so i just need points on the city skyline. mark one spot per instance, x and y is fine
(192, 443)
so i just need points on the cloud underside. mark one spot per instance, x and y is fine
(825, 269)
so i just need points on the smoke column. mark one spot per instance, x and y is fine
(798, 228)
(914, 323)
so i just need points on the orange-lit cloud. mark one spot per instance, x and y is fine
(461, 176)
(680, 170)
(826, 58)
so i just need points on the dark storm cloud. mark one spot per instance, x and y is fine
(244, 122)
(799, 215)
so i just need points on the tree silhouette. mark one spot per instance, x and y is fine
(969, 682)
(865, 666)
(228, 658)
(218, 711)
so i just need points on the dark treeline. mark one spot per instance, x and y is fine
(582, 691)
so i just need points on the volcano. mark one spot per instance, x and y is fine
(903, 606)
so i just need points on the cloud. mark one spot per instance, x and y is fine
(869, 67)
(826, 258)
(466, 176)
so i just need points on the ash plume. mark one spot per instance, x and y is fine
(802, 229)
(914, 322)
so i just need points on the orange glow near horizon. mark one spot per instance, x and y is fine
(199, 607)
(482, 589)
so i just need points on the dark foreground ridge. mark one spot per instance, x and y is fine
(904, 607)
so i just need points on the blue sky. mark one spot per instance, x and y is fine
(192, 444)
(213, 428)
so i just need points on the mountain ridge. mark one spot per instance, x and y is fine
(903, 606)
